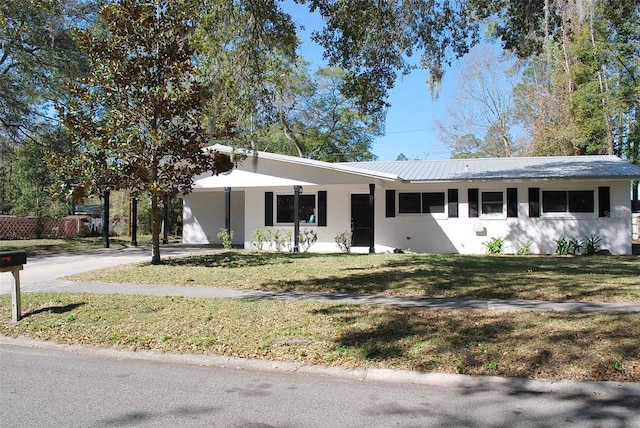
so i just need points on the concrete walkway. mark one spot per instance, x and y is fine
(42, 272)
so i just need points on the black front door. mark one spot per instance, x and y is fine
(360, 221)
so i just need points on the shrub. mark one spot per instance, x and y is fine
(259, 237)
(494, 245)
(343, 239)
(281, 239)
(226, 237)
(574, 246)
(307, 237)
(562, 246)
(565, 247)
(592, 245)
(524, 249)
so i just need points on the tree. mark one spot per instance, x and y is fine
(136, 119)
(316, 121)
(28, 191)
(579, 95)
(373, 41)
(481, 119)
(37, 57)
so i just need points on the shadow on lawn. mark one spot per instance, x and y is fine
(393, 335)
(488, 277)
(547, 345)
(54, 309)
(240, 259)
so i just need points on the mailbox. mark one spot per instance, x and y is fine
(12, 258)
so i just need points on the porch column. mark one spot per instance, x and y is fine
(134, 221)
(296, 218)
(372, 197)
(227, 209)
(165, 222)
(105, 218)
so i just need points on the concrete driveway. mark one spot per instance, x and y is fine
(41, 273)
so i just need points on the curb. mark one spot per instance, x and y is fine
(434, 379)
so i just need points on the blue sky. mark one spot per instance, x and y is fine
(411, 120)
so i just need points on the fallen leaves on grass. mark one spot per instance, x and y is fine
(550, 345)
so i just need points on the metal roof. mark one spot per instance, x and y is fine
(518, 168)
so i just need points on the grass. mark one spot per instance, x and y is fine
(610, 279)
(523, 344)
(65, 245)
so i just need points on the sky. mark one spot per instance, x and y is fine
(411, 120)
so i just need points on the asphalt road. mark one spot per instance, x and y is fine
(42, 387)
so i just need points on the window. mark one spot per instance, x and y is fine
(433, 203)
(492, 203)
(416, 203)
(306, 208)
(409, 203)
(572, 201)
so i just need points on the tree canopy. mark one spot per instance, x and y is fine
(136, 119)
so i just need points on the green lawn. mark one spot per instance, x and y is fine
(611, 279)
(523, 344)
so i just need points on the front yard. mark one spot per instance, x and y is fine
(524, 344)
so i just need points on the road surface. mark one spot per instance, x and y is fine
(67, 387)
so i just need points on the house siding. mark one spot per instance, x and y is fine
(203, 217)
(427, 233)
(424, 233)
(441, 232)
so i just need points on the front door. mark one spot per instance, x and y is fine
(360, 220)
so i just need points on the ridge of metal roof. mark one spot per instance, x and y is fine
(544, 167)
(337, 166)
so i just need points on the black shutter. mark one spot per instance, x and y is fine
(452, 198)
(390, 203)
(604, 202)
(268, 208)
(322, 208)
(534, 202)
(473, 202)
(512, 202)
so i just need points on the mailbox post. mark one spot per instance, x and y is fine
(14, 261)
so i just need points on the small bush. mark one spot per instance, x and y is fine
(574, 246)
(281, 239)
(592, 245)
(226, 237)
(494, 245)
(307, 237)
(565, 247)
(260, 236)
(524, 249)
(343, 239)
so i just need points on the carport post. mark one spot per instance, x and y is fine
(296, 218)
(134, 221)
(372, 203)
(227, 209)
(105, 219)
(165, 222)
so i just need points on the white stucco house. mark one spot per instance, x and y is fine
(431, 206)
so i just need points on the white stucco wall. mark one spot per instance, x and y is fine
(439, 234)
(204, 216)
